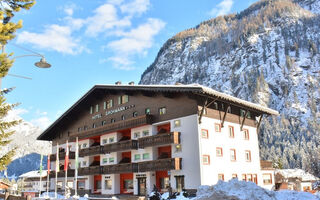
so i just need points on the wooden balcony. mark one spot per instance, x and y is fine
(160, 165)
(93, 150)
(121, 146)
(61, 173)
(62, 156)
(120, 168)
(159, 139)
(93, 170)
(120, 125)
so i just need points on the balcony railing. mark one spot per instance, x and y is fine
(62, 156)
(93, 150)
(124, 124)
(61, 173)
(121, 146)
(160, 165)
(93, 170)
(120, 168)
(159, 139)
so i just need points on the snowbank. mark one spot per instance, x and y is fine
(241, 190)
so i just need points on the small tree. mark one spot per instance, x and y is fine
(7, 30)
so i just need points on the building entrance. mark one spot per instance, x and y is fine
(142, 186)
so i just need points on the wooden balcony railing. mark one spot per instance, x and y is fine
(124, 124)
(93, 170)
(159, 139)
(160, 165)
(93, 150)
(61, 173)
(62, 155)
(121, 146)
(120, 168)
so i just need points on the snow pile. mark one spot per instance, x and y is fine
(241, 190)
(296, 173)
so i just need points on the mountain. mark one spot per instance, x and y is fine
(267, 54)
(27, 156)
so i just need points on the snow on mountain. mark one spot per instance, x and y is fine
(266, 54)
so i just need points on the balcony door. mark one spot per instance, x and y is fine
(142, 186)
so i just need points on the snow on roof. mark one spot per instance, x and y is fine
(296, 173)
(33, 174)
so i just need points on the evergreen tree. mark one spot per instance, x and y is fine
(7, 30)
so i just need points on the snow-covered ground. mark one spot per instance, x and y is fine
(296, 173)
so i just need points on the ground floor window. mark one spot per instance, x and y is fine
(81, 184)
(128, 184)
(221, 177)
(108, 184)
(98, 184)
(179, 183)
(59, 185)
(164, 183)
(70, 184)
(267, 179)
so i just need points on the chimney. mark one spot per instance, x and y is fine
(118, 83)
(131, 83)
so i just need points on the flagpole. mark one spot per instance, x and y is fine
(41, 158)
(76, 167)
(57, 169)
(66, 162)
(48, 173)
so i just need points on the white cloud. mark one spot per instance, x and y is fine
(224, 7)
(42, 122)
(105, 18)
(54, 37)
(136, 41)
(135, 7)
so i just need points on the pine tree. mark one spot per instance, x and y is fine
(7, 30)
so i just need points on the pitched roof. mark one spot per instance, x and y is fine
(33, 174)
(195, 89)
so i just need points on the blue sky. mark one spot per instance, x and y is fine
(94, 42)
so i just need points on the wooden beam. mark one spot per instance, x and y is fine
(244, 118)
(258, 126)
(224, 116)
(202, 110)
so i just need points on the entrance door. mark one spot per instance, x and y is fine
(142, 186)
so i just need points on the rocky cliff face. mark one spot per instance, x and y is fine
(267, 54)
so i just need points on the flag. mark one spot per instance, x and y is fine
(48, 164)
(66, 159)
(57, 159)
(40, 170)
(77, 154)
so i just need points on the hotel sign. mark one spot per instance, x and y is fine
(120, 109)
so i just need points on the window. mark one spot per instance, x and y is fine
(84, 163)
(93, 125)
(219, 152)
(122, 117)
(249, 177)
(97, 108)
(177, 123)
(243, 112)
(221, 177)
(98, 184)
(103, 122)
(109, 104)
(164, 182)
(255, 179)
(179, 183)
(217, 127)
(123, 99)
(59, 185)
(128, 184)
(246, 134)
(111, 160)
(136, 134)
(204, 133)
(137, 157)
(234, 176)
(108, 184)
(233, 155)
(135, 114)
(147, 111)
(216, 106)
(162, 111)
(248, 155)
(79, 129)
(81, 184)
(111, 139)
(85, 128)
(206, 159)
(104, 141)
(91, 109)
(267, 179)
(104, 105)
(244, 177)
(145, 133)
(146, 156)
(104, 160)
(231, 132)
(113, 120)
(84, 145)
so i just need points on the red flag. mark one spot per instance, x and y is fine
(66, 160)
(48, 163)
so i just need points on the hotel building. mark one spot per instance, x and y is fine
(133, 137)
